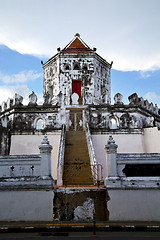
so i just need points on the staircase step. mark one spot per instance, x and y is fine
(77, 170)
(74, 162)
(76, 159)
(78, 153)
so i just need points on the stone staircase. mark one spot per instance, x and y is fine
(77, 169)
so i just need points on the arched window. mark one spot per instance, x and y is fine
(67, 67)
(76, 66)
(55, 69)
(113, 123)
(50, 90)
(101, 71)
(85, 68)
(40, 124)
(51, 71)
(97, 70)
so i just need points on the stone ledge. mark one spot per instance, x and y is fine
(28, 183)
(133, 183)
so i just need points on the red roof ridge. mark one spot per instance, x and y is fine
(77, 45)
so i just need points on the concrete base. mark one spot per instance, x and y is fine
(134, 205)
(26, 205)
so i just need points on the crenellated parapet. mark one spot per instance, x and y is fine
(139, 101)
(16, 118)
(138, 114)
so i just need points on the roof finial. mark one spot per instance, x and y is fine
(77, 35)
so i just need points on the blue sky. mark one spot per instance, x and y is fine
(123, 31)
(21, 73)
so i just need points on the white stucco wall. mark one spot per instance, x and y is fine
(152, 140)
(26, 205)
(148, 142)
(134, 205)
(127, 143)
(28, 144)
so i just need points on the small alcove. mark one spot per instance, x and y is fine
(76, 66)
(67, 67)
(113, 123)
(40, 124)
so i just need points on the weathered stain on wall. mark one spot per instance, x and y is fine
(4, 141)
(79, 204)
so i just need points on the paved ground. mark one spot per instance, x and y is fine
(80, 235)
(77, 226)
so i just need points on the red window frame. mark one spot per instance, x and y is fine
(76, 87)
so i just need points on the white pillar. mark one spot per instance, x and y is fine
(111, 157)
(45, 151)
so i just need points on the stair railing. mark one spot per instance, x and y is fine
(60, 166)
(91, 150)
(93, 161)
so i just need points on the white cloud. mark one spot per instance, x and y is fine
(133, 60)
(153, 97)
(23, 90)
(123, 31)
(145, 74)
(21, 77)
(8, 92)
(148, 73)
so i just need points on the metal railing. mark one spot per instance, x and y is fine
(81, 173)
(90, 145)
(60, 166)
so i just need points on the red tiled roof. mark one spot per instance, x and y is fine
(76, 46)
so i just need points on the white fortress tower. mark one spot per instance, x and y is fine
(94, 143)
(77, 69)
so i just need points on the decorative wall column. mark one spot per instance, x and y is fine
(45, 151)
(111, 157)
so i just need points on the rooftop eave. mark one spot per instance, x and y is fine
(50, 60)
(103, 60)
